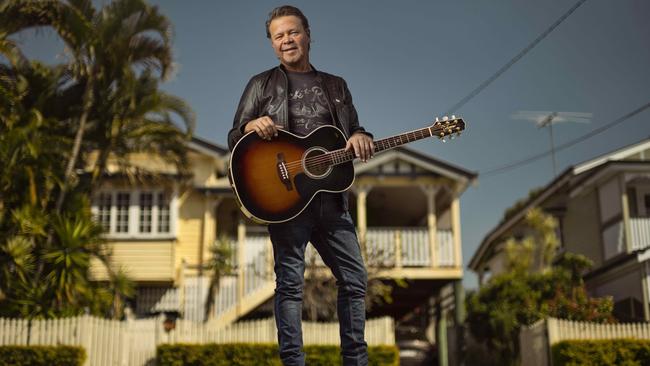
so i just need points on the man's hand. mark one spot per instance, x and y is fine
(264, 127)
(362, 144)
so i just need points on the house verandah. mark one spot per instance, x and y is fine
(405, 205)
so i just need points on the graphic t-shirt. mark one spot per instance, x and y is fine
(307, 103)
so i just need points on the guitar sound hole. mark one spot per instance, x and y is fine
(315, 164)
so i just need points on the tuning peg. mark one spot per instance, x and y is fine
(445, 118)
(453, 116)
(436, 119)
(444, 140)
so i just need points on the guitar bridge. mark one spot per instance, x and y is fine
(283, 172)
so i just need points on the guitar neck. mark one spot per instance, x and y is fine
(342, 156)
(401, 139)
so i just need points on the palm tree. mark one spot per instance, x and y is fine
(105, 45)
(29, 148)
(106, 100)
(31, 141)
(138, 118)
(78, 239)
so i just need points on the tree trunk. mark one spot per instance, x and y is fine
(76, 148)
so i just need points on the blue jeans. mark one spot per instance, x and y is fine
(330, 229)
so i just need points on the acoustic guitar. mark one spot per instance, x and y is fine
(275, 180)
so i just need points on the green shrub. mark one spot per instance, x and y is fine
(245, 354)
(42, 356)
(602, 352)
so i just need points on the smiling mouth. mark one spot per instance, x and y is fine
(289, 49)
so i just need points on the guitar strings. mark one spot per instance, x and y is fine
(319, 158)
(326, 156)
(329, 157)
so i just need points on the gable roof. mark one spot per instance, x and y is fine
(207, 147)
(583, 171)
(421, 160)
(619, 154)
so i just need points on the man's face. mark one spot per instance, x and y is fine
(290, 42)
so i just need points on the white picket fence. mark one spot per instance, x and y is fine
(537, 339)
(133, 342)
(560, 330)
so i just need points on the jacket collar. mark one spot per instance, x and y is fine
(284, 69)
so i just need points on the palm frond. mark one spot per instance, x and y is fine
(69, 23)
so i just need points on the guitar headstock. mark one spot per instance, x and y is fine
(447, 127)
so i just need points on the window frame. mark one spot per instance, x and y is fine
(134, 212)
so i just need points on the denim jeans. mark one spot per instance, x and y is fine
(330, 229)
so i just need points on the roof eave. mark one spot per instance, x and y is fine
(490, 238)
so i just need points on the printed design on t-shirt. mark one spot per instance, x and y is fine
(308, 108)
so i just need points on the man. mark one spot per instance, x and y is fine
(296, 97)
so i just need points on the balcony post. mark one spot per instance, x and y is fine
(625, 207)
(455, 227)
(270, 261)
(432, 224)
(362, 194)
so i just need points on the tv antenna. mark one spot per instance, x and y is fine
(548, 119)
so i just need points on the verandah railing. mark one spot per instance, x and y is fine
(640, 232)
(413, 244)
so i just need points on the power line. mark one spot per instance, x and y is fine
(530, 159)
(514, 60)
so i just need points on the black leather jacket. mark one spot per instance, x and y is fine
(266, 95)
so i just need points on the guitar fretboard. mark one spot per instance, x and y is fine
(341, 156)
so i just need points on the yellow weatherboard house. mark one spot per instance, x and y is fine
(406, 207)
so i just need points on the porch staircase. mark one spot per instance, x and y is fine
(253, 283)
(250, 286)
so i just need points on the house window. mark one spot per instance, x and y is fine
(122, 211)
(639, 202)
(610, 201)
(135, 214)
(146, 208)
(163, 213)
(104, 203)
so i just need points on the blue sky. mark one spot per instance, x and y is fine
(407, 62)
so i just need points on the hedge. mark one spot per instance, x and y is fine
(627, 352)
(42, 356)
(245, 354)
